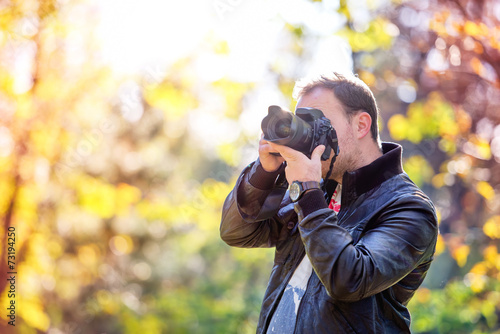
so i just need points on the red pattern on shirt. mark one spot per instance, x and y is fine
(334, 205)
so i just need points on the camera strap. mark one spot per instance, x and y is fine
(331, 167)
(335, 147)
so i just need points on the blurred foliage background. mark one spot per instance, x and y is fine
(123, 125)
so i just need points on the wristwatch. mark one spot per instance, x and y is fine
(298, 188)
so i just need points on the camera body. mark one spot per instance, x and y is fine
(302, 131)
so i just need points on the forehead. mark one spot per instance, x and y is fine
(324, 100)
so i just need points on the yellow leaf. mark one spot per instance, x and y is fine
(126, 195)
(477, 66)
(440, 245)
(484, 149)
(491, 255)
(477, 282)
(476, 30)
(418, 169)
(472, 29)
(175, 102)
(460, 254)
(448, 128)
(161, 210)
(367, 77)
(88, 254)
(233, 93)
(6, 189)
(121, 244)
(415, 134)
(463, 120)
(229, 153)
(33, 314)
(286, 87)
(390, 77)
(51, 87)
(485, 190)
(478, 147)
(97, 197)
(448, 146)
(46, 139)
(107, 301)
(24, 106)
(26, 209)
(492, 227)
(398, 127)
(222, 48)
(368, 61)
(423, 295)
(479, 268)
(438, 26)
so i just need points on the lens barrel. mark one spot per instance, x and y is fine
(284, 128)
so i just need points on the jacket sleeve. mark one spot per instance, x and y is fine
(249, 211)
(404, 237)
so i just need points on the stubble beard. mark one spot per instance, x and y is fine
(346, 160)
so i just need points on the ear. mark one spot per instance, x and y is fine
(363, 124)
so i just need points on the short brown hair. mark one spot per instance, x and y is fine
(351, 91)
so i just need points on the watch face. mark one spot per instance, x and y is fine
(294, 191)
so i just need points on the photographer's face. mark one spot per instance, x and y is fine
(347, 160)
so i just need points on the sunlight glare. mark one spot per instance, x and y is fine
(151, 35)
(136, 33)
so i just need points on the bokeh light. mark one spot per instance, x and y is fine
(125, 124)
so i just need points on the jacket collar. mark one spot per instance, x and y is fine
(368, 177)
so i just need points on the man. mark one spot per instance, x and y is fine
(352, 262)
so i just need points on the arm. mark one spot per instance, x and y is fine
(248, 212)
(403, 238)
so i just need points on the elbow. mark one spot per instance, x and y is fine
(226, 237)
(227, 228)
(345, 290)
(344, 295)
(231, 237)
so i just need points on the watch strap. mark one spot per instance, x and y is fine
(302, 188)
(308, 185)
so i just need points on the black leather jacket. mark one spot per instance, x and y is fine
(368, 259)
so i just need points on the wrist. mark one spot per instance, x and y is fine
(270, 169)
(270, 166)
(312, 201)
(262, 179)
(298, 189)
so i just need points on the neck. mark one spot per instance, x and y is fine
(369, 152)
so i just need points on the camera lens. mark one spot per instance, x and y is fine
(282, 128)
(302, 131)
(285, 128)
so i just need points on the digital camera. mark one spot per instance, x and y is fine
(302, 131)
